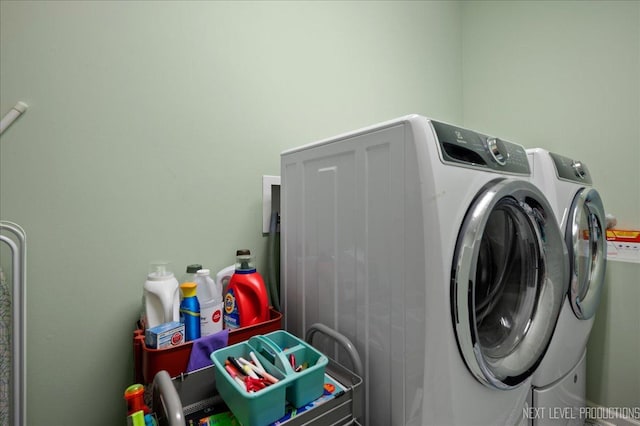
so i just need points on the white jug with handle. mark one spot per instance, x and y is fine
(211, 306)
(161, 296)
(223, 276)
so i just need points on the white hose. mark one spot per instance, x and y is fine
(11, 116)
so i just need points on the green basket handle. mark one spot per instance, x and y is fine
(272, 352)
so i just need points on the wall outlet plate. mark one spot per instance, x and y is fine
(270, 201)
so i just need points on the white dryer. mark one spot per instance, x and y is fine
(427, 246)
(559, 384)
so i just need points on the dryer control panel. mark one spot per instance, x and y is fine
(571, 170)
(464, 147)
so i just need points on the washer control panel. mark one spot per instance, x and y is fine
(465, 147)
(570, 169)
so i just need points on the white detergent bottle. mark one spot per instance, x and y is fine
(210, 297)
(224, 276)
(161, 296)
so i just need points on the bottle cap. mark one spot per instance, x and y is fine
(133, 391)
(159, 271)
(245, 263)
(188, 289)
(193, 268)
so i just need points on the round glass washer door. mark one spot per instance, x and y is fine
(587, 245)
(509, 279)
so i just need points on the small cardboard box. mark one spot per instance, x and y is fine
(623, 245)
(165, 335)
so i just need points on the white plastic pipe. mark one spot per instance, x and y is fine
(10, 117)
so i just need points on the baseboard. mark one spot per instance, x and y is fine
(607, 416)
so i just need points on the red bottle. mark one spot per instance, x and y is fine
(134, 395)
(246, 301)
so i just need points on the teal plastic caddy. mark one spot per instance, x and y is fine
(276, 351)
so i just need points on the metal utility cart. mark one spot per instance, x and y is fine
(193, 396)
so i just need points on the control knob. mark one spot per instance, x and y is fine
(578, 169)
(496, 149)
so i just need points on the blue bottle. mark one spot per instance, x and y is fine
(190, 311)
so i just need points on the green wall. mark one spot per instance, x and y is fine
(149, 128)
(565, 76)
(151, 123)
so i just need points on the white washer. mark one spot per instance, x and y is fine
(427, 246)
(560, 383)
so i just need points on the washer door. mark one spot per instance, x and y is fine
(585, 238)
(509, 279)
